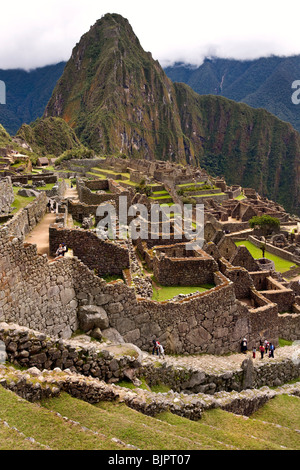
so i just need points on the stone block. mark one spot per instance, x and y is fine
(92, 316)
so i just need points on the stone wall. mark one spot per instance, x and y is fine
(47, 297)
(33, 292)
(29, 348)
(239, 276)
(86, 195)
(80, 210)
(185, 271)
(58, 189)
(106, 257)
(289, 326)
(82, 363)
(28, 217)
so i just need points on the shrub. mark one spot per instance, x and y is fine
(265, 222)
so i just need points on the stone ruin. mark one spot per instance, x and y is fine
(54, 297)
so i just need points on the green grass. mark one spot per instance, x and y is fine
(46, 427)
(162, 293)
(208, 195)
(160, 197)
(284, 410)
(240, 197)
(160, 193)
(20, 201)
(284, 342)
(187, 185)
(117, 420)
(67, 423)
(281, 264)
(47, 187)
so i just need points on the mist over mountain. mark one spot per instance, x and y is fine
(118, 100)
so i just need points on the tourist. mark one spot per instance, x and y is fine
(161, 351)
(49, 206)
(272, 349)
(262, 351)
(254, 352)
(155, 348)
(244, 346)
(60, 250)
(266, 346)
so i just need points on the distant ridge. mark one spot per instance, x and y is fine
(261, 83)
(27, 94)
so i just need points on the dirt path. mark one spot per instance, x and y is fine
(71, 193)
(40, 234)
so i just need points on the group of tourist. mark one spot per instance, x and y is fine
(264, 348)
(158, 348)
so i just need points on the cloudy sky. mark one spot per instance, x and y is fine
(35, 33)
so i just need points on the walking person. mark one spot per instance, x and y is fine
(266, 346)
(244, 346)
(272, 349)
(254, 352)
(262, 351)
(161, 351)
(155, 348)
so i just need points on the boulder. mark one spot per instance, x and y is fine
(91, 317)
(27, 192)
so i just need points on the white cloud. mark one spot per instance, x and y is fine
(35, 33)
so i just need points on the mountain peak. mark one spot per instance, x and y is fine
(116, 97)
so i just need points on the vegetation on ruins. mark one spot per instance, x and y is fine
(265, 222)
(143, 188)
(76, 153)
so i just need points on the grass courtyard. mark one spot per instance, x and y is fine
(281, 265)
(163, 293)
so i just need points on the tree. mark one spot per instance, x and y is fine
(266, 223)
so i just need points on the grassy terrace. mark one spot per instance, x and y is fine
(67, 423)
(281, 265)
(208, 195)
(162, 293)
(20, 201)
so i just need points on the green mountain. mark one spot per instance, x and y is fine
(49, 136)
(116, 97)
(27, 94)
(261, 83)
(119, 100)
